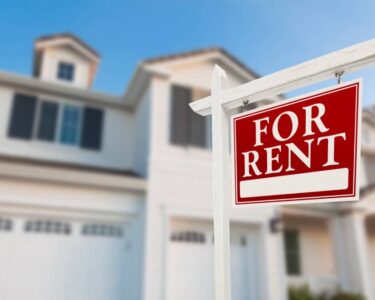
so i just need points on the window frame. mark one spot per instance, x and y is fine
(65, 64)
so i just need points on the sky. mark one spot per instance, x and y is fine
(267, 35)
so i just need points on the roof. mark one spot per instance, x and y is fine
(71, 36)
(36, 85)
(187, 54)
(364, 191)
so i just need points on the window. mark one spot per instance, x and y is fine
(47, 121)
(6, 224)
(187, 127)
(79, 126)
(47, 226)
(22, 116)
(92, 128)
(65, 71)
(188, 237)
(104, 230)
(292, 252)
(70, 125)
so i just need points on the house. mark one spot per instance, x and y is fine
(109, 197)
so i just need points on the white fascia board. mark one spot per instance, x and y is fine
(65, 41)
(73, 177)
(313, 71)
(75, 93)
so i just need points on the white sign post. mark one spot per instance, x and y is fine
(325, 67)
(220, 173)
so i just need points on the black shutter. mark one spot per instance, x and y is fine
(22, 117)
(180, 115)
(292, 252)
(197, 130)
(47, 121)
(91, 137)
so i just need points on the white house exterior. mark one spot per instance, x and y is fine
(108, 197)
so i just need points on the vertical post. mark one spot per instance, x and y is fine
(220, 153)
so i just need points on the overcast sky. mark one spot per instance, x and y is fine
(267, 35)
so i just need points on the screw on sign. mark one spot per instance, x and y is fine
(303, 149)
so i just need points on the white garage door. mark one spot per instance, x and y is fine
(191, 263)
(54, 259)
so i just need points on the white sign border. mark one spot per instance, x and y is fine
(307, 200)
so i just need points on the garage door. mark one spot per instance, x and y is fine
(190, 272)
(45, 259)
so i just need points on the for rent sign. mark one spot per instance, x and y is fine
(304, 149)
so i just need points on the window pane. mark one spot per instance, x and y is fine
(47, 121)
(70, 125)
(92, 128)
(22, 117)
(292, 253)
(65, 71)
(197, 130)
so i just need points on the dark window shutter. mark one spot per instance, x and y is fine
(197, 130)
(47, 121)
(292, 252)
(180, 115)
(91, 137)
(22, 117)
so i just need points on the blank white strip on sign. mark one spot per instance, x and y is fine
(319, 181)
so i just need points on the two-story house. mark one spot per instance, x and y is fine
(109, 197)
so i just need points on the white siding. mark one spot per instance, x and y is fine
(116, 151)
(180, 180)
(141, 133)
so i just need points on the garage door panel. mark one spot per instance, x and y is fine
(54, 259)
(191, 262)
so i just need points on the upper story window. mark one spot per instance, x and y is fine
(70, 125)
(78, 125)
(65, 71)
(187, 127)
(292, 252)
(47, 121)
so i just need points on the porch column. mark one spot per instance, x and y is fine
(349, 236)
(274, 283)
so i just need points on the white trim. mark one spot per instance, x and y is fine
(72, 177)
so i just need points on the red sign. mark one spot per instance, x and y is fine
(299, 150)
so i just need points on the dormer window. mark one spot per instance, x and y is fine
(65, 71)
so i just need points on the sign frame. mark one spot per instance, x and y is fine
(346, 60)
(291, 101)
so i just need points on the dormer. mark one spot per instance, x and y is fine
(66, 59)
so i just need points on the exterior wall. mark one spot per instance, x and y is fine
(141, 134)
(180, 181)
(368, 155)
(50, 62)
(117, 136)
(22, 195)
(316, 253)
